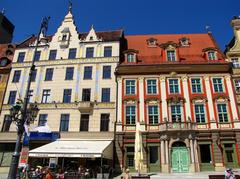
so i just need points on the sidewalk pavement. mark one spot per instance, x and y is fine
(198, 175)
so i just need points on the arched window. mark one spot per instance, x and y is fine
(130, 58)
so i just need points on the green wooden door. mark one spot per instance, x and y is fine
(180, 159)
(230, 156)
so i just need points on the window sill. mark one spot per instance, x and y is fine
(68, 79)
(48, 80)
(107, 78)
(87, 78)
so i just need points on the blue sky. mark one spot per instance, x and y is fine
(134, 16)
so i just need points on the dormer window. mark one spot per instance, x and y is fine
(152, 42)
(171, 55)
(184, 41)
(130, 58)
(211, 55)
(91, 38)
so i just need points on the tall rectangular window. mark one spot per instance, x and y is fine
(6, 123)
(173, 86)
(64, 122)
(130, 115)
(12, 97)
(176, 113)
(36, 56)
(89, 52)
(108, 51)
(86, 94)
(200, 113)
(152, 86)
(67, 95)
(235, 62)
(130, 87)
(16, 76)
(196, 85)
(130, 156)
(46, 96)
(104, 126)
(49, 74)
(222, 112)
(106, 72)
(87, 72)
(84, 122)
(21, 57)
(30, 96)
(52, 55)
(72, 53)
(171, 55)
(105, 94)
(42, 119)
(237, 85)
(217, 85)
(34, 74)
(69, 73)
(153, 114)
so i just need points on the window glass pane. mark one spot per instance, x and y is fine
(16, 76)
(200, 113)
(176, 113)
(84, 122)
(211, 56)
(6, 123)
(34, 74)
(130, 87)
(89, 52)
(64, 123)
(87, 72)
(67, 95)
(37, 56)
(46, 96)
(106, 72)
(104, 126)
(196, 85)
(130, 114)
(105, 94)
(108, 51)
(222, 112)
(153, 114)
(86, 94)
(12, 97)
(42, 119)
(49, 74)
(171, 55)
(69, 73)
(52, 54)
(205, 153)
(72, 53)
(235, 62)
(152, 86)
(173, 86)
(130, 58)
(21, 57)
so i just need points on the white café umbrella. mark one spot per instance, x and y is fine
(138, 154)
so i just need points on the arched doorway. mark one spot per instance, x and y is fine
(179, 157)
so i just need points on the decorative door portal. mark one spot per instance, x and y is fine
(180, 158)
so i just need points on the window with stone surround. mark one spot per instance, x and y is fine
(84, 122)
(12, 97)
(196, 85)
(130, 87)
(64, 122)
(130, 115)
(108, 51)
(173, 86)
(36, 56)
(222, 113)
(153, 114)
(211, 55)
(69, 73)
(67, 93)
(6, 123)
(199, 110)
(16, 76)
(217, 85)
(42, 119)
(171, 55)
(46, 96)
(151, 86)
(52, 55)
(237, 85)
(176, 114)
(104, 125)
(21, 57)
(49, 74)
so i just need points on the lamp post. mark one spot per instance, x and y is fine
(23, 113)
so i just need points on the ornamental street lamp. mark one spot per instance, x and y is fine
(23, 113)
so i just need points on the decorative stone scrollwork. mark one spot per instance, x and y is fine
(176, 99)
(164, 137)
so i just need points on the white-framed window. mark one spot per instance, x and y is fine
(176, 114)
(211, 55)
(130, 87)
(152, 86)
(153, 114)
(130, 58)
(196, 85)
(217, 85)
(173, 86)
(200, 116)
(130, 114)
(237, 85)
(171, 55)
(222, 112)
(235, 62)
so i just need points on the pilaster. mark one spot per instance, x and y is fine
(209, 97)
(163, 96)
(186, 96)
(141, 99)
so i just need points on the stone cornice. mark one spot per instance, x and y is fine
(68, 61)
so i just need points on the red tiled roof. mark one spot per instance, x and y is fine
(187, 54)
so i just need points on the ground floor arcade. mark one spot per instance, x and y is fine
(181, 151)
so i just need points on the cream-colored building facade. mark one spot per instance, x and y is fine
(80, 61)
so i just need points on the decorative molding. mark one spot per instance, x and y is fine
(173, 74)
(130, 101)
(221, 98)
(209, 49)
(184, 78)
(176, 99)
(162, 79)
(169, 44)
(152, 100)
(199, 99)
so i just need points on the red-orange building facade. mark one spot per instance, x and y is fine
(179, 87)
